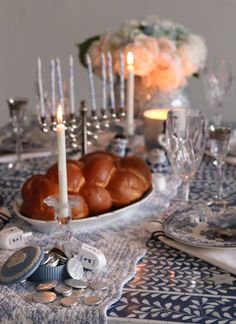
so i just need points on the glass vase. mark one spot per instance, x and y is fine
(151, 98)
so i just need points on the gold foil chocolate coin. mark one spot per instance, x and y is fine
(44, 297)
(44, 286)
(92, 300)
(69, 301)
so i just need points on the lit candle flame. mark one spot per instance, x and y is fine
(130, 58)
(59, 114)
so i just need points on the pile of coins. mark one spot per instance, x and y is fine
(55, 257)
(72, 292)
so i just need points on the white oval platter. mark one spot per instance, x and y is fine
(85, 224)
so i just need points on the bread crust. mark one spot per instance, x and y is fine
(103, 181)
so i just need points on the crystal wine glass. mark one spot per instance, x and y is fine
(219, 137)
(218, 80)
(17, 110)
(186, 134)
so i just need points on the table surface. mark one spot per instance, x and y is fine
(171, 286)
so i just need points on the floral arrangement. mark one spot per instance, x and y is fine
(165, 53)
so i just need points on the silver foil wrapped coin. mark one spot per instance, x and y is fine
(63, 289)
(46, 259)
(98, 285)
(77, 293)
(60, 254)
(53, 262)
(76, 283)
(75, 268)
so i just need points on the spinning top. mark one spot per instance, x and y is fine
(119, 145)
(158, 161)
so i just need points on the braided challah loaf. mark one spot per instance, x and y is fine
(102, 180)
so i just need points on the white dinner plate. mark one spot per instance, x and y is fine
(85, 224)
(185, 226)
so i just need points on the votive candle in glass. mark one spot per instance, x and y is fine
(154, 125)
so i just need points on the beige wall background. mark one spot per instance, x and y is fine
(51, 28)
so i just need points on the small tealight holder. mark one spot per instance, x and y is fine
(153, 125)
(62, 231)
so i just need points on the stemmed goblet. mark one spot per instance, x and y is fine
(185, 137)
(17, 110)
(219, 137)
(218, 80)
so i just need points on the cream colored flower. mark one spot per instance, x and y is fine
(145, 50)
(168, 73)
(192, 54)
(160, 60)
(102, 45)
(166, 45)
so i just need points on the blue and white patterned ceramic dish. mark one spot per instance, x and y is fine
(89, 223)
(186, 227)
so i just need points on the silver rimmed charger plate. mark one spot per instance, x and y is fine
(184, 226)
(89, 223)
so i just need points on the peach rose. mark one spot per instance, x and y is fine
(95, 52)
(145, 50)
(192, 54)
(102, 45)
(168, 73)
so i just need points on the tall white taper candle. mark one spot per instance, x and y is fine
(91, 82)
(62, 171)
(40, 87)
(122, 80)
(130, 94)
(72, 90)
(111, 81)
(104, 82)
(53, 90)
(60, 84)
